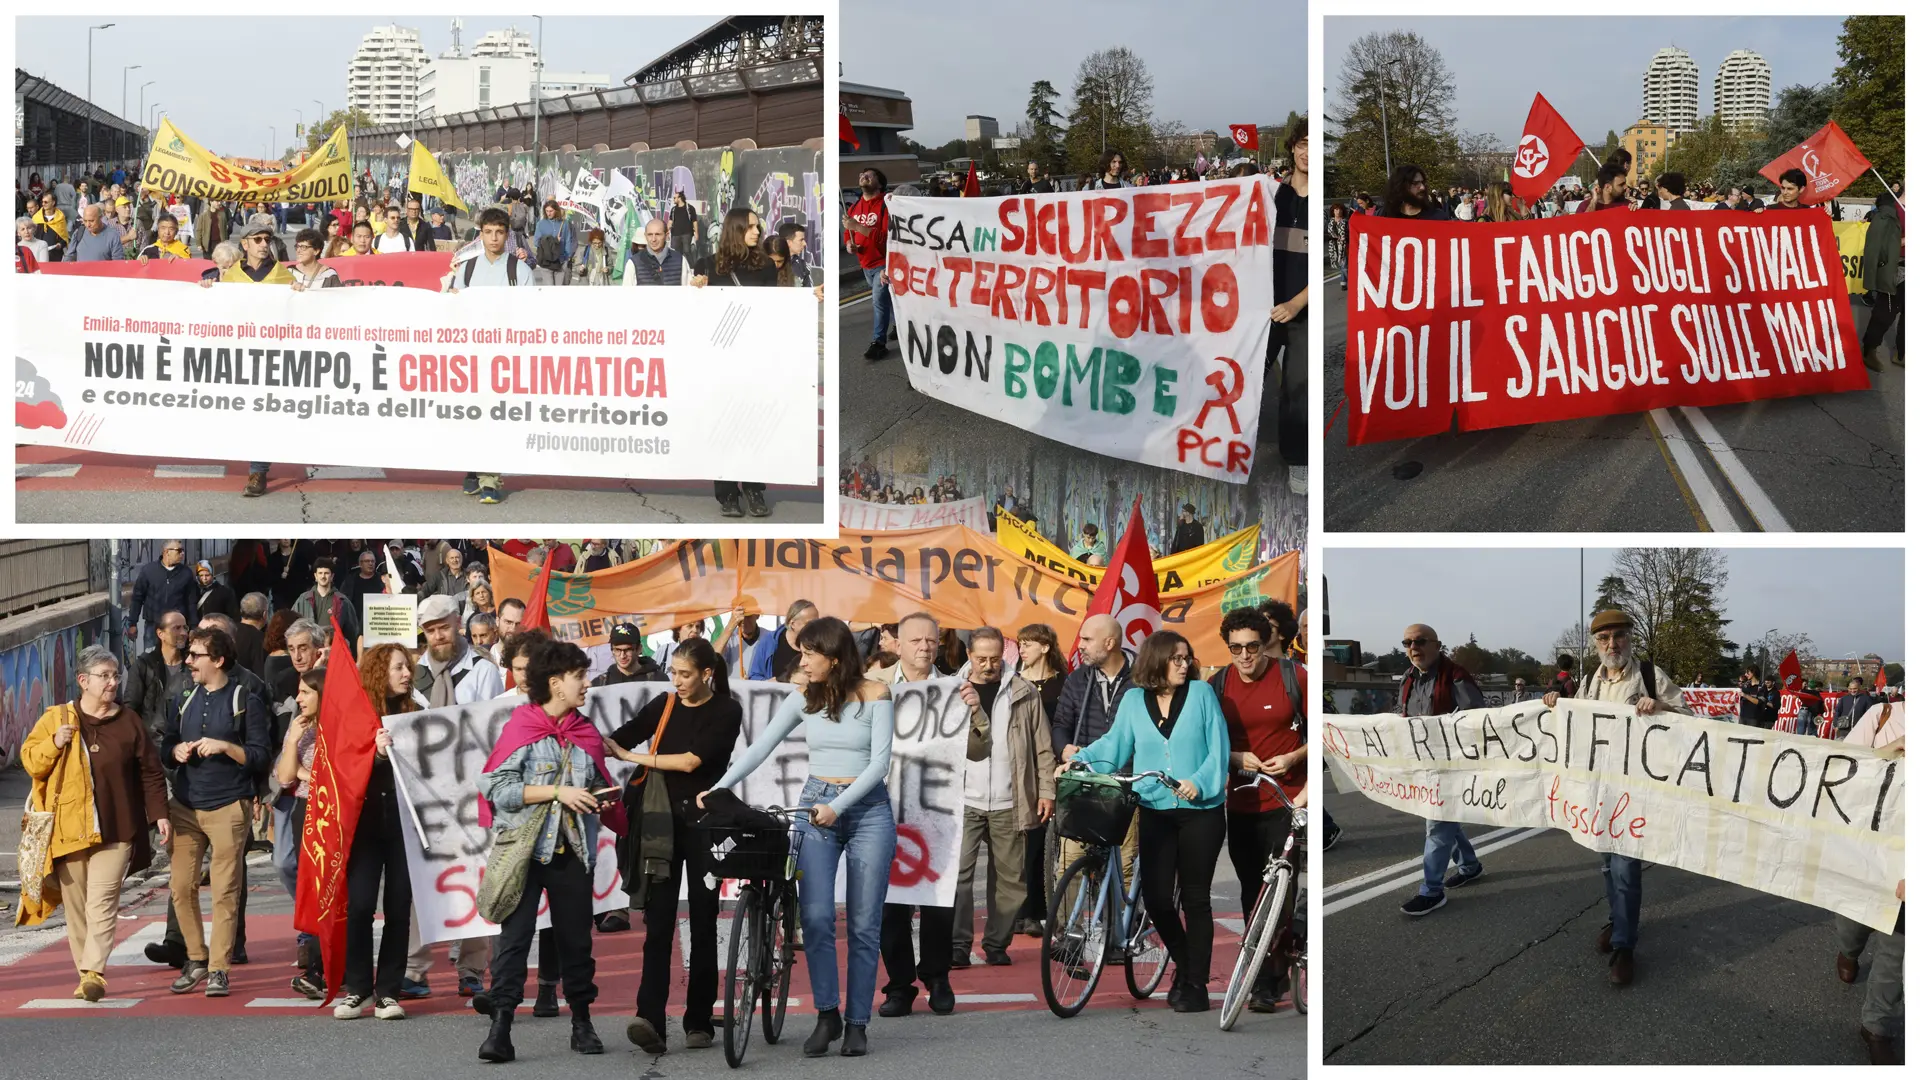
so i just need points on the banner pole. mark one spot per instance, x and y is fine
(1889, 187)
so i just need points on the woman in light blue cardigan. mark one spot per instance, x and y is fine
(1172, 723)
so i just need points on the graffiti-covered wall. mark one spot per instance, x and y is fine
(36, 676)
(780, 184)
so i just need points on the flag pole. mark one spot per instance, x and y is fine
(1889, 187)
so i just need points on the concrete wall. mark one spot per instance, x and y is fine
(37, 652)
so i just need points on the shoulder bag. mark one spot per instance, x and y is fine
(505, 880)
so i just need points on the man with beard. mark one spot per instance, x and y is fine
(1436, 686)
(866, 237)
(450, 673)
(1648, 689)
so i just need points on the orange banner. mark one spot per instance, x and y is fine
(961, 577)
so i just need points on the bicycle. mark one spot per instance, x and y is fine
(1089, 922)
(1270, 927)
(765, 924)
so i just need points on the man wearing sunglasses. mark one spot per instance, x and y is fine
(1648, 690)
(1436, 686)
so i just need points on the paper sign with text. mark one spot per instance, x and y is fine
(1815, 821)
(1611, 312)
(389, 619)
(1130, 322)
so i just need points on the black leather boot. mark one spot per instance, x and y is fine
(855, 1044)
(499, 1044)
(585, 1040)
(826, 1031)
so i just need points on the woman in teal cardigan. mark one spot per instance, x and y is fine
(1173, 723)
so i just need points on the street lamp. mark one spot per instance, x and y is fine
(123, 87)
(151, 111)
(1381, 85)
(143, 95)
(90, 30)
(273, 136)
(539, 43)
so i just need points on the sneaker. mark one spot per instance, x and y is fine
(1029, 928)
(256, 485)
(351, 1007)
(491, 495)
(1331, 838)
(388, 1009)
(876, 350)
(1461, 877)
(469, 985)
(641, 1033)
(757, 504)
(191, 975)
(730, 507)
(1422, 905)
(93, 986)
(309, 987)
(217, 984)
(470, 485)
(699, 1040)
(1871, 358)
(412, 988)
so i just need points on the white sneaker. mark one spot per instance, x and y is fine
(351, 1007)
(389, 1009)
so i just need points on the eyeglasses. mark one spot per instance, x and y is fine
(1418, 642)
(191, 655)
(1238, 648)
(1181, 660)
(104, 676)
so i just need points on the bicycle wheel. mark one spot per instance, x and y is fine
(780, 951)
(1255, 941)
(742, 972)
(1300, 986)
(1147, 956)
(1071, 957)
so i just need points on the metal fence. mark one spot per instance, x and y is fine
(34, 573)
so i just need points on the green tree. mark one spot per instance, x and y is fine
(1717, 153)
(351, 119)
(1044, 135)
(1405, 78)
(1471, 656)
(1112, 109)
(1896, 675)
(1673, 596)
(1872, 105)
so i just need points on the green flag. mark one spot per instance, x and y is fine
(630, 227)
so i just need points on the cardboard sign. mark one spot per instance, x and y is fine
(389, 619)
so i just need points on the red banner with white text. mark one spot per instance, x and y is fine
(1587, 315)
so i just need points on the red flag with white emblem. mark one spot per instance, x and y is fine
(1829, 159)
(1245, 136)
(1129, 591)
(1547, 148)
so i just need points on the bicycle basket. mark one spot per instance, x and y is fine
(1094, 808)
(750, 854)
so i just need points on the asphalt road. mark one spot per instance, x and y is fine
(1507, 972)
(1829, 463)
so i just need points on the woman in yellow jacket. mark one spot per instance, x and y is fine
(94, 766)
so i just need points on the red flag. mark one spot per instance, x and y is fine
(1790, 671)
(847, 134)
(1245, 136)
(1129, 591)
(342, 763)
(1829, 159)
(970, 189)
(1547, 147)
(1880, 680)
(536, 616)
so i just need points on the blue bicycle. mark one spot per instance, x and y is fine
(1089, 922)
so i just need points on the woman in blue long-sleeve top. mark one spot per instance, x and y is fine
(849, 731)
(1171, 723)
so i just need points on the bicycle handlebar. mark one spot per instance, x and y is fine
(1263, 778)
(1081, 766)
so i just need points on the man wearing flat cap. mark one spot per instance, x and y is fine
(1648, 690)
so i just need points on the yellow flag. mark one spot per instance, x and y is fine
(1852, 238)
(178, 164)
(1184, 571)
(425, 177)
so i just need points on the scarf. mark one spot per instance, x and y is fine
(528, 725)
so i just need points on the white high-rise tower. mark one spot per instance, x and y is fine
(1743, 89)
(1670, 91)
(383, 79)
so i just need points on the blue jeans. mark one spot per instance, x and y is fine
(1623, 898)
(882, 302)
(1446, 840)
(1806, 724)
(865, 833)
(286, 853)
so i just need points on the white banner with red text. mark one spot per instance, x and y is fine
(716, 383)
(1130, 322)
(1814, 821)
(888, 517)
(438, 755)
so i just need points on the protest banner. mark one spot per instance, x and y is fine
(388, 619)
(1851, 237)
(716, 382)
(859, 514)
(1131, 323)
(1531, 321)
(438, 755)
(178, 164)
(1819, 822)
(959, 576)
(1190, 569)
(413, 269)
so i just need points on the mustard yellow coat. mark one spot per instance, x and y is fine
(76, 825)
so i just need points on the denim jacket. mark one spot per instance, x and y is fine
(548, 761)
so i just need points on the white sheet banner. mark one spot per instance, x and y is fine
(1815, 821)
(1131, 322)
(859, 514)
(439, 754)
(696, 384)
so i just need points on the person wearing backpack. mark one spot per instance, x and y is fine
(1266, 724)
(493, 264)
(1648, 690)
(552, 247)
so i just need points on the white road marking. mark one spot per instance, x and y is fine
(18, 946)
(1232, 924)
(27, 472)
(1744, 485)
(77, 1003)
(1400, 883)
(282, 1003)
(993, 999)
(1401, 867)
(1718, 516)
(344, 472)
(188, 472)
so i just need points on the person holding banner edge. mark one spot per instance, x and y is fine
(737, 260)
(1436, 686)
(848, 721)
(1648, 690)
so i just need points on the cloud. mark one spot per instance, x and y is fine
(35, 404)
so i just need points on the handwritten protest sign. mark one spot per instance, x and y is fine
(1815, 821)
(1622, 311)
(700, 384)
(860, 514)
(389, 619)
(1130, 322)
(438, 755)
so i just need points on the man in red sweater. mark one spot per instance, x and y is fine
(866, 237)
